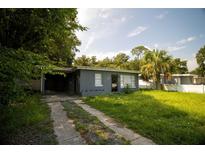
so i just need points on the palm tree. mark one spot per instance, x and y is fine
(153, 64)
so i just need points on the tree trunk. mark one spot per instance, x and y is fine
(158, 86)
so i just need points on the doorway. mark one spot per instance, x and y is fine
(114, 78)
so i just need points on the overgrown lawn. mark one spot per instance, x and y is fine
(164, 117)
(26, 122)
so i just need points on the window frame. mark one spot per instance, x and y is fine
(98, 78)
(127, 79)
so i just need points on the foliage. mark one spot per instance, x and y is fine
(178, 66)
(49, 32)
(84, 61)
(26, 122)
(34, 41)
(127, 89)
(200, 58)
(139, 51)
(153, 64)
(120, 61)
(164, 117)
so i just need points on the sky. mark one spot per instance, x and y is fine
(181, 32)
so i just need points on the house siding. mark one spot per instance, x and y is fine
(87, 82)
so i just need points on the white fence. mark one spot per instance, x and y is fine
(145, 84)
(185, 88)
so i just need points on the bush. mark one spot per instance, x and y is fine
(127, 89)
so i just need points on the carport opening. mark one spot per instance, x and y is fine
(55, 83)
(61, 84)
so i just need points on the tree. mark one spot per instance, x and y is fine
(139, 51)
(153, 64)
(82, 61)
(200, 58)
(121, 61)
(49, 32)
(33, 41)
(106, 62)
(178, 66)
(93, 61)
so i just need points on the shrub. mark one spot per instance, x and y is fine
(127, 89)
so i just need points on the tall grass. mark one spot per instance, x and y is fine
(26, 122)
(165, 117)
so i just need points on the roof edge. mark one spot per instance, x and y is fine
(105, 69)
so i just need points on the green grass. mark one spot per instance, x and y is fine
(26, 122)
(164, 117)
(90, 128)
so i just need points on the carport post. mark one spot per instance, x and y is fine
(42, 83)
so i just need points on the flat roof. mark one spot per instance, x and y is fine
(107, 69)
(181, 75)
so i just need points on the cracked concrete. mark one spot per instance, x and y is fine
(63, 127)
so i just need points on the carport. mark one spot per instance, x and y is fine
(56, 83)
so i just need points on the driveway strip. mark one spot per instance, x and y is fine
(63, 127)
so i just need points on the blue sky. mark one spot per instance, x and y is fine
(110, 31)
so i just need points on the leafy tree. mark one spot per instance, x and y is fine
(139, 51)
(197, 71)
(82, 61)
(93, 61)
(49, 32)
(106, 62)
(121, 61)
(33, 41)
(200, 58)
(133, 64)
(178, 66)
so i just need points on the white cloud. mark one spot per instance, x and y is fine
(161, 16)
(137, 31)
(89, 42)
(175, 48)
(156, 45)
(186, 40)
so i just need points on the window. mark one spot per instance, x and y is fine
(98, 80)
(127, 80)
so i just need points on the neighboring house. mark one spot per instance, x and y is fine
(88, 81)
(183, 83)
(179, 79)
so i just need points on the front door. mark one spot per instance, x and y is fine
(114, 85)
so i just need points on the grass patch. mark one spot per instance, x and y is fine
(26, 122)
(90, 128)
(164, 117)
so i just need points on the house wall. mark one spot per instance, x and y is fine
(179, 80)
(87, 82)
(186, 80)
(36, 85)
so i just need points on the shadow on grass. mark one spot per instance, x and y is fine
(149, 117)
(26, 122)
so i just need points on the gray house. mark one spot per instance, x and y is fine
(87, 81)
